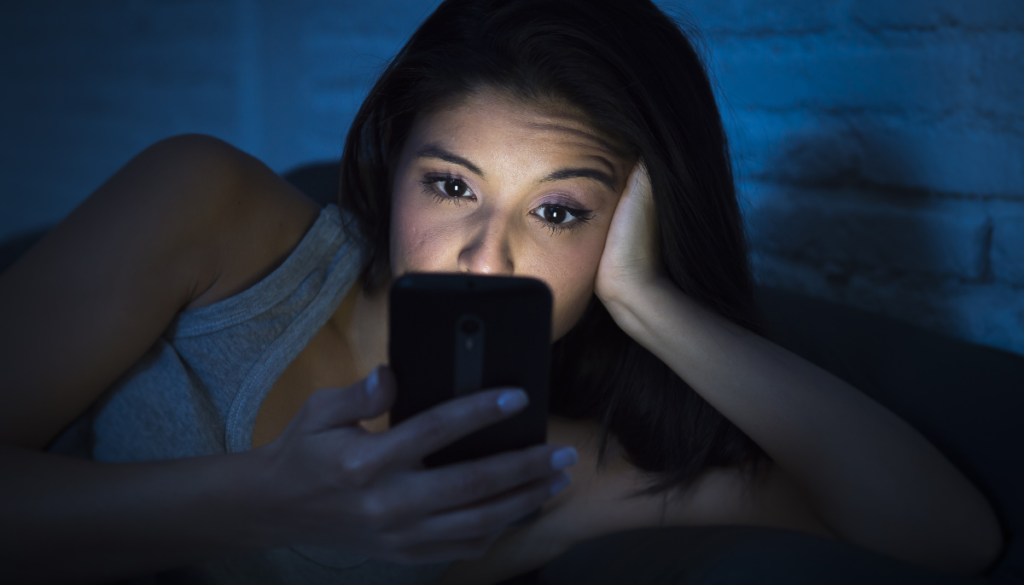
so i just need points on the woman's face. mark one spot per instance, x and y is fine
(492, 186)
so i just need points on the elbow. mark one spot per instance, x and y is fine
(982, 548)
(971, 548)
(982, 539)
(964, 540)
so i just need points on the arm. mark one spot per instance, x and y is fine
(89, 300)
(189, 217)
(868, 476)
(75, 312)
(71, 519)
(325, 482)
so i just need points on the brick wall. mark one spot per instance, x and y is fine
(879, 145)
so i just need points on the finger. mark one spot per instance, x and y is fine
(634, 177)
(637, 213)
(638, 187)
(462, 484)
(486, 519)
(409, 442)
(336, 407)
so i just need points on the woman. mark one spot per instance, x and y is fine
(204, 324)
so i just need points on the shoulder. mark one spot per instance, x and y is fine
(244, 217)
(187, 219)
(206, 193)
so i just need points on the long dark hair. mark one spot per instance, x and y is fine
(631, 70)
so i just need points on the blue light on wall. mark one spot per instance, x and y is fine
(879, 146)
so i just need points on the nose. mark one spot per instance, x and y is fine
(488, 250)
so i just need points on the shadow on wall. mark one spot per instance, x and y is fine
(834, 218)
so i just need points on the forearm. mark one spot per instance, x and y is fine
(77, 520)
(871, 478)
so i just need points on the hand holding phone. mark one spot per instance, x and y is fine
(332, 484)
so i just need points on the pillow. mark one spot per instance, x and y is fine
(723, 555)
(965, 398)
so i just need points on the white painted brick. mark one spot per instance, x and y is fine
(719, 17)
(1008, 249)
(912, 14)
(394, 18)
(88, 85)
(998, 74)
(834, 72)
(987, 314)
(909, 300)
(950, 155)
(346, 64)
(918, 236)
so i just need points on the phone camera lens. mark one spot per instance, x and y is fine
(470, 326)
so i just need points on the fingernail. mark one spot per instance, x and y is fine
(371, 381)
(564, 457)
(561, 483)
(512, 400)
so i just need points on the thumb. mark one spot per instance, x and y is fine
(339, 407)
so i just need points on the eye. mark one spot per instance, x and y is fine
(560, 218)
(556, 214)
(450, 187)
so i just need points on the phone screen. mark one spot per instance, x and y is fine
(454, 334)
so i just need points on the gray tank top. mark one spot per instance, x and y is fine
(198, 389)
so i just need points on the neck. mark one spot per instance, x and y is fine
(362, 321)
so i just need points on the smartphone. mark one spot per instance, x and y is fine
(455, 334)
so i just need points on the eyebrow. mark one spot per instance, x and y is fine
(436, 152)
(594, 174)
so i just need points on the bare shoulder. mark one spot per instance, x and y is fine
(187, 219)
(254, 224)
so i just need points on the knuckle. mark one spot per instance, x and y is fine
(473, 485)
(357, 470)
(321, 399)
(376, 510)
(535, 465)
(538, 497)
(316, 400)
(433, 426)
(305, 412)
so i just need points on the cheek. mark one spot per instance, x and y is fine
(571, 301)
(418, 239)
(570, 273)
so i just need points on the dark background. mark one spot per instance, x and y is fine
(879, 143)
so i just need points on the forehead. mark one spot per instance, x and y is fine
(492, 120)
